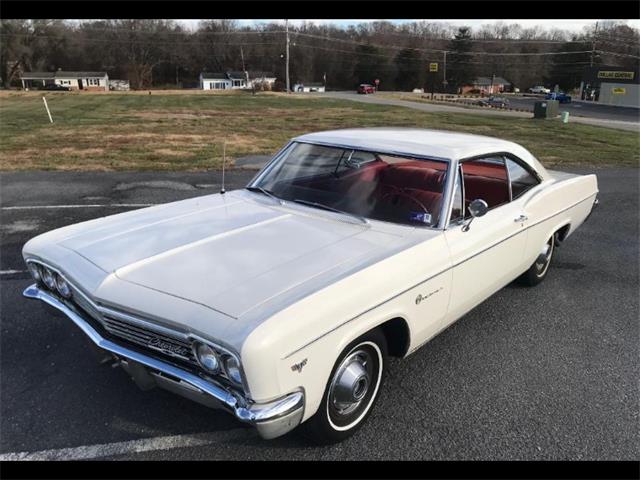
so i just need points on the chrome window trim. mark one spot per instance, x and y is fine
(526, 167)
(458, 176)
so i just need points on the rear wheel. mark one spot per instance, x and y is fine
(538, 271)
(351, 392)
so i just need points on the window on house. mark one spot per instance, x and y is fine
(521, 179)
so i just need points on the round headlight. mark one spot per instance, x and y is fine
(34, 269)
(47, 278)
(232, 367)
(208, 358)
(62, 286)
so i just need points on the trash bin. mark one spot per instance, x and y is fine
(546, 109)
(565, 117)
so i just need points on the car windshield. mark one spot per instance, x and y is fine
(372, 185)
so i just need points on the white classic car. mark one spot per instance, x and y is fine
(281, 302)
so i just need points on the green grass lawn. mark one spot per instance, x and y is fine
(162, 131)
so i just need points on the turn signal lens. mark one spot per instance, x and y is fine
(208, 358)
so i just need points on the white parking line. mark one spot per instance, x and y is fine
(108, 205)
(11, 272)
(85, 452)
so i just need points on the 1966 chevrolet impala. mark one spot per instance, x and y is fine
(281, 302)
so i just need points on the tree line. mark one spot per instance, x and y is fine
(166, 53)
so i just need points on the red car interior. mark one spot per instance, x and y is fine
(395, 188)
(487, 181)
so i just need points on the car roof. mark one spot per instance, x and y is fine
(436, 144)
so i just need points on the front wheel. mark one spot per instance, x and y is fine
(538, 271)
(352, 390)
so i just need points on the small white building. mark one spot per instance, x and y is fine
(234, 80)
(90, 81)
(308, 87)
(119, 85)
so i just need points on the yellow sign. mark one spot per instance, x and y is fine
(619, 90)
(433, 67)
(616, 75)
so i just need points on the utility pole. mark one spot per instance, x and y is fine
(286, 27)
(444, 72)
(244, 70)
(593, 43)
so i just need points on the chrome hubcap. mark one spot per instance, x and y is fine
(351, 382)
(545, 255)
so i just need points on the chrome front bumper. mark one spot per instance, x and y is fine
(271, 419)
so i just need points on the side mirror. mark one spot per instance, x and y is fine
(477, 208)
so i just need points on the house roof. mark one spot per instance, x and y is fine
(236, 75)
(487, 81)
(215, 75)
(60, 74)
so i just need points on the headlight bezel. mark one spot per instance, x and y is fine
(48, 278)
(61, 283)
(35, 270)
(224, 354)
(197, 347)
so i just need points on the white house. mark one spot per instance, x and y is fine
(90, 81)
(234, 80)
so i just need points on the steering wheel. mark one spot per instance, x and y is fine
(402, 193)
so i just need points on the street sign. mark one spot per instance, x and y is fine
(433, 67)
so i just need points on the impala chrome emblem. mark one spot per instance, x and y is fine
(421, 297)
(167, 347)
(297, 367)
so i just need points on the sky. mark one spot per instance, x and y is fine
(572, 25)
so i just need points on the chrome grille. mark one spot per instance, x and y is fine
(151, 339)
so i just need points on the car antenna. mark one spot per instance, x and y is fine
(224, 157)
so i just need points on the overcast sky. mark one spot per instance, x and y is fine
(572, 25)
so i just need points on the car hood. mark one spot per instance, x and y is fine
(232, 252)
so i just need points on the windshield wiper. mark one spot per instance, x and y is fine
(265, 192)
(331, 209)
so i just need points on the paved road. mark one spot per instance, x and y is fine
(586, 109)
(543, 373)
(602, 118)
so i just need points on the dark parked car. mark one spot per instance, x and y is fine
(366, 88)
(56, 87)
(560, 96)
(499, 102)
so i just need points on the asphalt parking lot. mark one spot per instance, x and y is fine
(544, 373)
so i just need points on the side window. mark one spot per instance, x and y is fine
(457, 212)
(521, 179)
(485, 179)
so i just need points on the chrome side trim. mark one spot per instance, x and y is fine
(432, 277)
(289, 407)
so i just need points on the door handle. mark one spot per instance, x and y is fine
(521, 218)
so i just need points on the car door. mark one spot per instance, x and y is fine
(489, 254)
